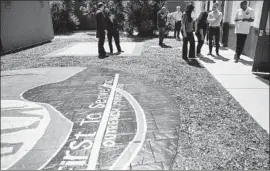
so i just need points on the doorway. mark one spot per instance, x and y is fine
(261, 59)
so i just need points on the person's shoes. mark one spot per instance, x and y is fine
(111, 53)
(210, 53)
(218, 54)
(121, 51)
(103, 55)
(185, 59)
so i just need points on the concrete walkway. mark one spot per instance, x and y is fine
(251, 91)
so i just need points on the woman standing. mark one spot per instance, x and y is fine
(214, 19)
(200, 31)
(187, 32)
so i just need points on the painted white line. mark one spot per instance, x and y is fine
(22, 136)
(136, 144)
(64, 141)
(46, 105)
(92, 162)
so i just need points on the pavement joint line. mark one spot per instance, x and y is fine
(92, 162)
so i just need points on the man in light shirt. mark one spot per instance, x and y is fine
(177, 16)
(214, 20)
(244, 17)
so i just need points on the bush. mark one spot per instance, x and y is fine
(63, 17)
(141, 15)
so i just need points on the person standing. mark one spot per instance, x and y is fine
(214, 19)
(177, 15)
(244, 16)
(200, 31)
(101, 30)
(161, 22)
(187, 32)
(112, 27)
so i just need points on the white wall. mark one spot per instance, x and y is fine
(257, 6)
(25, 23)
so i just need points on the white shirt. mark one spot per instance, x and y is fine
(177, 16)
(217, 16)
(242, 27)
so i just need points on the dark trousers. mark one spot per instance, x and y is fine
(214, 32)
(240, 43)
(161, 34)
(190, 39)
(115, 36)
(200, 43)
(101, 40)
(177, 28)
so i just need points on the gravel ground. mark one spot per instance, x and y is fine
(215, 131)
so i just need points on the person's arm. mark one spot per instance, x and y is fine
(201, 32)
(184, 25)
(158, 18)
(236, 19)
(99, 21)
(196, 26)
(220, 18)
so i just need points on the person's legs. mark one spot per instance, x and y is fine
(178, 25)
(243, 38)
(175, 28)
(101, 41)
(200, 43)
(217, 37)
(117, 41)
(184, 48)
(191, 40)
(210, 39)
(161, 35)
(110, 35)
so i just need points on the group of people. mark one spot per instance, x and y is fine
(107, 22)
(207, 23)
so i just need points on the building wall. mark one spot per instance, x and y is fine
(25, 23)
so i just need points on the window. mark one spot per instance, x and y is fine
(7, 4)
(41, 4)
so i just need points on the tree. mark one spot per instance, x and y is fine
(142, 15)
(63, 16)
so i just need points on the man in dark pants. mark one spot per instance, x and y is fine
(161, 22)
(101, 30)
(244, 16)
(112, 27)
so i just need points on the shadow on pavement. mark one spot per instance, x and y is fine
(223, 48)
(165, 46)
(207, 60)
(220, 57)
(250, 63)
(195, 63)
